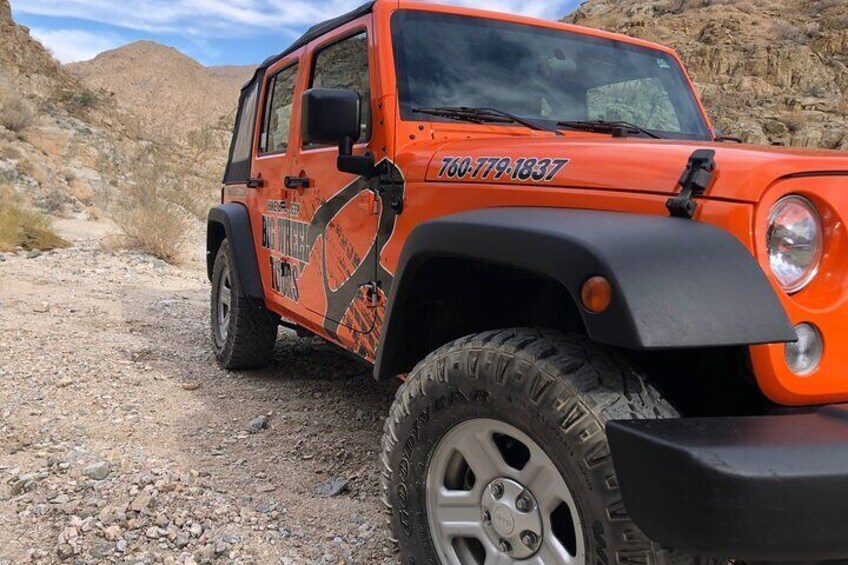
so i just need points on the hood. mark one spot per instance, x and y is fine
(743, 172)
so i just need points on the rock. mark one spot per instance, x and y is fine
(121, 545)
(142, 502)
(257, 424)
(162, 520)
(97, 471)
(191, 386)
(159, 264)
(41, 308)
(34, 253)
(64, 551)
(20, 486)
(52, 140)
(334, 488)
(112, 533)
(196, 530)
(153, 532)
(181, 540)
(67, 381)
(2, 257)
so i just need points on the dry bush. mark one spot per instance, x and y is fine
(152, 222)
(22, 227)
(10, 153)
(79, 103)
(15, 113)
(795, 121)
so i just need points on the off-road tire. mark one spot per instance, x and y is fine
(252, 329)
(559, 390)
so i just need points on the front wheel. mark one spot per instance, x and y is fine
(495, 452)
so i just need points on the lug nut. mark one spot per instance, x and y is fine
(497, 490)
(523, 503)
(505, 546)
(486, 517)
(529, 539)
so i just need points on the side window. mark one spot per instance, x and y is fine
(238, 167)
(643, 101)
(278, 112)
(345, 65)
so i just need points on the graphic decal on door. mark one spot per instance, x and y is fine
(354, 308)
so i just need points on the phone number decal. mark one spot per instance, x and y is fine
(495, 168)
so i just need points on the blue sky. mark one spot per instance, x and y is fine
(215, 32)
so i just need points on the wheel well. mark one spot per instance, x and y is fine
(215, 235)
(450, 298)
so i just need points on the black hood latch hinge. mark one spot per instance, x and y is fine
(695, 180)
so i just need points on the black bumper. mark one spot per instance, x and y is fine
(770, 488)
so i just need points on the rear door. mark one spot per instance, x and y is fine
(343, 210)
(272, 208)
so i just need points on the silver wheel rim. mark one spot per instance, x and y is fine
(223, 307)
(482, 502)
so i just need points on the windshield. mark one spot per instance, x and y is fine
(538, 73)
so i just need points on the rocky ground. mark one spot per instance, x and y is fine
(122, 441)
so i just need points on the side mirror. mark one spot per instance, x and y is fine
(333, 116)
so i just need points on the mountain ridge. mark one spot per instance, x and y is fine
(170, 92)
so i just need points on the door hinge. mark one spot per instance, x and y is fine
(695, 180)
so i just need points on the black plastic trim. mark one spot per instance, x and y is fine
(768, 488)
(236, 223)
(676, 283)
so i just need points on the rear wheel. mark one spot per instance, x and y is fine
(243, 330)
(495, 452)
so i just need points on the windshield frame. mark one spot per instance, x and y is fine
(405, 106)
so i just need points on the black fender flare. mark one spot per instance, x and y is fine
(676, 283)
(231, 220)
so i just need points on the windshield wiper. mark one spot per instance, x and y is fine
(481, 115)
(608, 126)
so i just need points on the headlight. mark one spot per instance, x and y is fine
(794, 241)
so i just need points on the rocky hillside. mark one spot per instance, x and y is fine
(770, 71)
(171, 93)
(75, 150)
(57, 137)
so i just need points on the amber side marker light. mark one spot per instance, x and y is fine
(596, 294)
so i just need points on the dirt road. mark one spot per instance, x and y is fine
(122, 441)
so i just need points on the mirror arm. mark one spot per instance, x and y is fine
(347, 162)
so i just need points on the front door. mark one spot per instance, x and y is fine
(342, 210)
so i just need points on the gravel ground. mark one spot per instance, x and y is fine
(122, 441)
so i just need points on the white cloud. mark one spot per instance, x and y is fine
(231, 18)
(72, 45)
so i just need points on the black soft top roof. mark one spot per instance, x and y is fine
(312, 33)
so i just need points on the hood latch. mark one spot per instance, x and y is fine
(695, 180)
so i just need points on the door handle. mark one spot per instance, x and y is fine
(296, 182)
(255, 183)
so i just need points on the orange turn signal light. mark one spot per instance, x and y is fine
(596, 294)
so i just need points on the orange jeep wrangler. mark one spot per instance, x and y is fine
(622, 336)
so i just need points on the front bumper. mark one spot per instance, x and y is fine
(769, 488)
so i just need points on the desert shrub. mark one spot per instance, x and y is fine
(10, 153)
(790, 32)
(795, 121)
(15, 113)
(152, 222)
(79, 102)
(22, 227)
